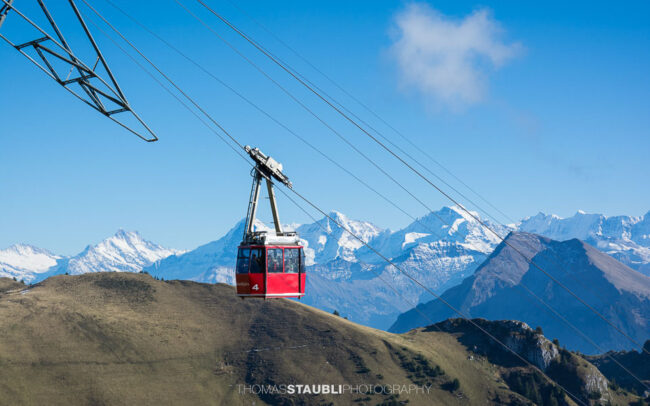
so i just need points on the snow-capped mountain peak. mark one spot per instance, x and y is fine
(126, 251)
(626, 238)
(451, 223)
(325, 240)
(28, 257)
(23, 261)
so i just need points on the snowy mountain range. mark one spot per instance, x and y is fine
(625, 238)
(26, 262)
(214, 262)
(123, 252)
(440, 249)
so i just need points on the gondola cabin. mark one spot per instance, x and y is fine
(269, 264)
(271, 267)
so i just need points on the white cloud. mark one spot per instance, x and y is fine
(448, 60)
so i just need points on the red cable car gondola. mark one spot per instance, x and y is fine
(268, 264)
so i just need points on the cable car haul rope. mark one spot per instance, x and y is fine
(269, 264)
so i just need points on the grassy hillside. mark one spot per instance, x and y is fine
(127, 339)
(8, 284)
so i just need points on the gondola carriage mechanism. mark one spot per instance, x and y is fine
(269, 264)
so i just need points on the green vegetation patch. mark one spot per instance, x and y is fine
(421, 371)
(132, 290)
(534, 387)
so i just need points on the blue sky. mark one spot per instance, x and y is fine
(551, 114)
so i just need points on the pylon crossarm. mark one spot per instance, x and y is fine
(105, 96)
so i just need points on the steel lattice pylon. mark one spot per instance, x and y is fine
(105, 96)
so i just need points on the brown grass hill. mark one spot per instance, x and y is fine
(8, 285)
(127, 339)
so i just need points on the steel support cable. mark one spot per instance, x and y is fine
(383, 136)
(434, 233)
(244, 158)
(279, 123)
(344, 169)
(183, 92)
(367, 108)
(419, 174)
(221, 137)
(310, 111)
(414, 280)
(414, 306)
(370, 266)
(539, 299)
(380, 134)
(238, 152)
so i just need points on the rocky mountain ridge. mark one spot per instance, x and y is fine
(506, 286)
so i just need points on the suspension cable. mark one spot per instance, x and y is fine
(357, 237)
(275, 120)
(244, 158)
(309, 110)
(241, 155)
(294, 72)
(239, 144)
(365, 107)
(555, 312)
(385, 138)
(414, 280)
(417, 172)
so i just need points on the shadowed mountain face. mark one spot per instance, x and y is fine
(637, 362)
(501, 289)
(124, 338)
